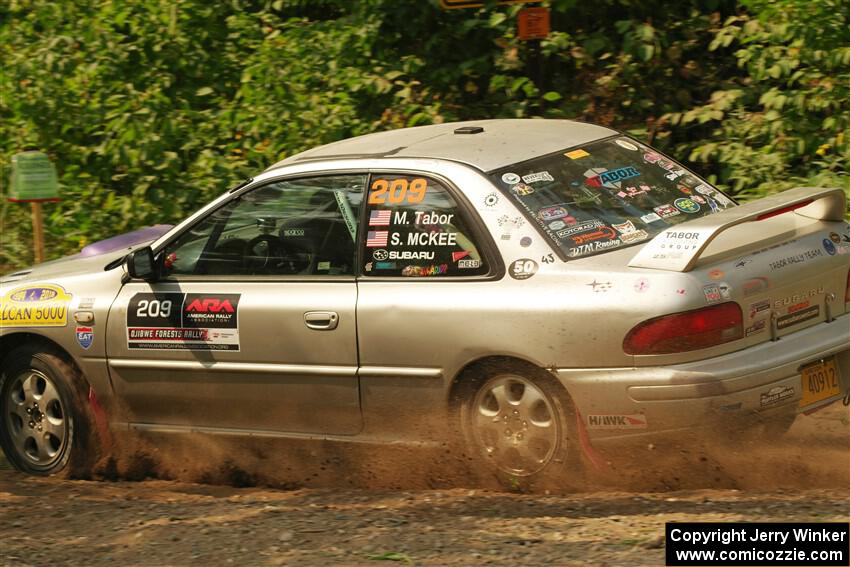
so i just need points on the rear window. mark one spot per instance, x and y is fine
(607, 194)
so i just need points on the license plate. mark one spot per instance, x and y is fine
(820, 382)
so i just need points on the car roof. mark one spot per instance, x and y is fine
(502, 142)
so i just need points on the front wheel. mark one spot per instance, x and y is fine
(518, 427)
(45, 424)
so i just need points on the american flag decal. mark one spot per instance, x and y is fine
(376, 238)
(379, 218)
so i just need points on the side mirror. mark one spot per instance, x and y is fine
(141, 265)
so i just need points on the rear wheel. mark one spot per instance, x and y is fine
(45, 423)
(518, 426)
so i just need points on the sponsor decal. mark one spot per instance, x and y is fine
(538, 177)
(468, 264)
(651, 157)
(625, 227)
(368, 266)
(675, 174)
(323, 266)
(722, 199)
(604, 233)
(86, 303)
(627, 144)
(641, 285)
(686, 205)
(432, 238)
(385, 265)
(725, 290)
(522, 269)
(631, 191)
(293, 232)
(742, 262)
(552, 213)
(633, 421)
(380, 255)
(829, 246)
(491, 200)
(376, 238)
(183, 321)
(458, 255)
(797, 298)
(665, 211)
(506, 237)
(612, 176)
(522, 190)
(380, 217)
(557, 225)
(592, 247)
(759, 307)
(511, 178)
(85, 336)
(712, 293)
(776, 395)
(43, 305)
(599, 287)
(716, 274)
(753, 286)
(424, 271)
(629, 233)
(525, 241)
(756, 328)
(650, 218)
(408, 255)
(510, 222)
(798, 317)
(576, 154)
(796, 259)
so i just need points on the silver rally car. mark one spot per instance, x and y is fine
(530, 288)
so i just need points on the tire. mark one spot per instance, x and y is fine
(46, 426)
(519, 428)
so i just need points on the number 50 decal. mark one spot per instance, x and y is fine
(399, 190)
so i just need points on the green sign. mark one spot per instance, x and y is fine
(33, 178)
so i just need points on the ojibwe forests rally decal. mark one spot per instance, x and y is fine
(183, 321)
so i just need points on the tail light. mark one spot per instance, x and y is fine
(689, 330)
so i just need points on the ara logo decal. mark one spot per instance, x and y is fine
(210, 305)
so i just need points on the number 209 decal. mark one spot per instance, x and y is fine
(396, 191)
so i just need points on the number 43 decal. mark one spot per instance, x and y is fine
(399, 190)
(548, 258)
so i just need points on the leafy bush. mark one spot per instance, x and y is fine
(152, 107)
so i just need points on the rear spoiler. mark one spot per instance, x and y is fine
(679, 247)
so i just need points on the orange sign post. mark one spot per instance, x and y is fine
(533, 23)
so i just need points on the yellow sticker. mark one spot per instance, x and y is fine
(575, 154)
(35, 306)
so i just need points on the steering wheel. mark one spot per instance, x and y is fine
(264, 254)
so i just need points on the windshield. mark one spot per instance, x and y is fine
(607, 194)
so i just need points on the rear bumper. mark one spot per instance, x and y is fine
(758, 382)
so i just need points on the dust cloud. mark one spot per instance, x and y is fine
(814, 453)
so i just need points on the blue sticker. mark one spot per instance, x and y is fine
(829, 246)
(85, 336)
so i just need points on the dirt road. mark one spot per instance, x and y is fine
(805, 477)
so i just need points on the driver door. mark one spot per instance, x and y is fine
(252, 326)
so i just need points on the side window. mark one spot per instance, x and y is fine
(414, 228)
(293, 227)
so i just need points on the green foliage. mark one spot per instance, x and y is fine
(150, 108)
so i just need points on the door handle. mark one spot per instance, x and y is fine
(321, 320)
